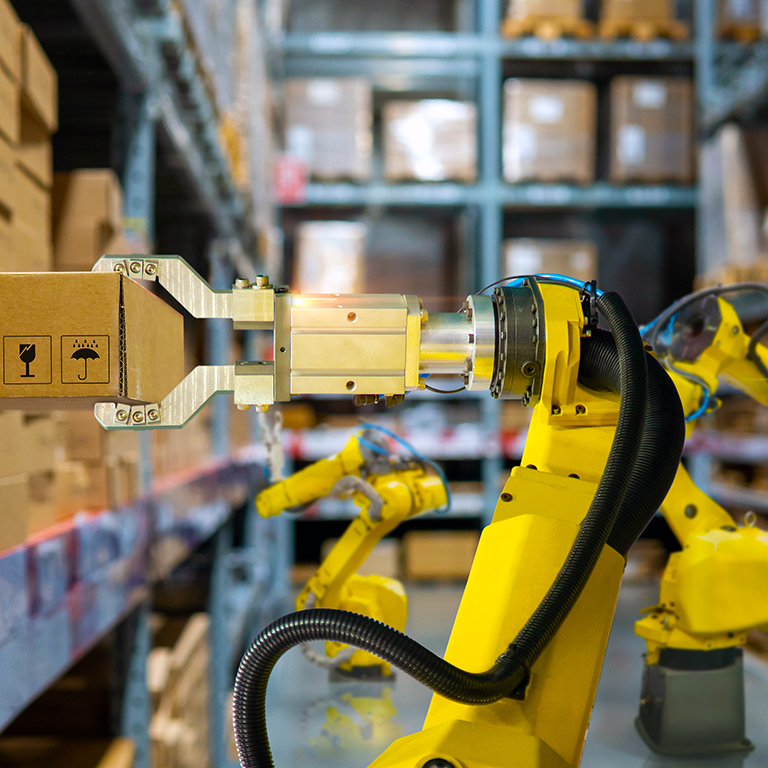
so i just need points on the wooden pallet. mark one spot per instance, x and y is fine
(547, 28)
(739, 31)
(642, 30)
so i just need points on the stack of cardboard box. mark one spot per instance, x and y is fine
(330, 257)
(549, 130)
(430, 140)
(177, 678)
(28, 118)
(652, 129)
(329, 125)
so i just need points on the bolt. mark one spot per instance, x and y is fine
(138, 417)
(241, 407)
(135, 267)
(119, 267)
(506, 497)
(530, 368)
(556, 410)
(153, 414)
(728, 528)
(424, 315)
(261, 408)
(122, 415)
(242, 282)
(691, 511)
(150, 269)
(438, 762)
(580, 409)
(262, 281)
(735, 329)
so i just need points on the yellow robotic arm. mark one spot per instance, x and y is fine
(715, 589)
(388, 491)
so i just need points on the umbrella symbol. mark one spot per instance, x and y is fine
(85, 354)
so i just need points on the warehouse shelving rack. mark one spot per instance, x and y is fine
(428, 61)
(71, 585)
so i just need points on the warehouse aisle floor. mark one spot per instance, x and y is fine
(316, 724)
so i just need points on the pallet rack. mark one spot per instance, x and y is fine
(473, 62)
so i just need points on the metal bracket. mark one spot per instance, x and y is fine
(177, 277)
(177, 408)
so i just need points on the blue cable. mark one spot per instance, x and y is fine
(421, 457)
(701, 409)
(572, 281)
(372, 446)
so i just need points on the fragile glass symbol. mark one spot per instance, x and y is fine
(84, 352)
(27, 355)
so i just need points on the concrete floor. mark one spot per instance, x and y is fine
(313, 723)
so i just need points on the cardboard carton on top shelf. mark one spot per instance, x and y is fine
(637, 10)
(651, 129)
(10, 41)
(71, 340)
(14, 500)
(549, 130)
(34, 154)
(330, 257)
(9, 108)
(526, 9)
(430, 140)
(7, 176)
(329, 125)
(529, 256)
(39, 83)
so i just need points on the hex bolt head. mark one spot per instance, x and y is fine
(119, 267)
(122, 415)
(153, 414)
(242, 282)
(138, 417)
(135, 267)
(150, 269)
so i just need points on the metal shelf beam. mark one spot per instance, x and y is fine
(599, 195)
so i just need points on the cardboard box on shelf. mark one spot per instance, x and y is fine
(39, 83)
(14, 501)
(33, 206)
(439, 555)
(526, 9)
(9, 108)
(34, 250)
(71, 340)
(651, 129)
(328, 124)
(82, 438)
(8, 257)
(14, 447)
(330, 257)
(34, 154)
(549, 130)
(81, 486)
(87, 214)
(430, 140)
(10, 40)
(637, 10)
(42, 441)
(529, 256)
(7, 176)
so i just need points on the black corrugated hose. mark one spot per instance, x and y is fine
(662, 443)
(512, 667)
